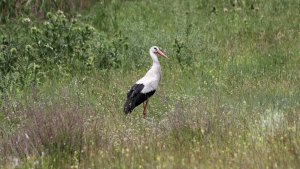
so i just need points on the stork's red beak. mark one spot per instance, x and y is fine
(162, 54)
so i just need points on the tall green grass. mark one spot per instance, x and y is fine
(229, 95)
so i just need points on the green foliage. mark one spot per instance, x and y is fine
(61, 44)
(183, 54)
(111, 52)
(57, 48)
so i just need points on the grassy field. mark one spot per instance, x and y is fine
(229, 96)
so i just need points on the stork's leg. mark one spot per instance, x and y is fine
(145, 108)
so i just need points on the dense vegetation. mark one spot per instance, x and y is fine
(229, 95)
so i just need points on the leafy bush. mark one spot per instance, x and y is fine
(57, 48)
(61, 43)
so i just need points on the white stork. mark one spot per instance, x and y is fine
(144, 88)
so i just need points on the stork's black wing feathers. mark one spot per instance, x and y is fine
(135, 97)
(133, 92)
(135, 89)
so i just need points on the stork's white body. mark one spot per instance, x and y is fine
(151, 79)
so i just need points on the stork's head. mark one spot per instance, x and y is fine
(157, 52)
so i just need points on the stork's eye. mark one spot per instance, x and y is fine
(155, 48)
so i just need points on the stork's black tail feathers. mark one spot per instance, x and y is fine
(133, 102)
(130, 103)
(128, 106)
(135, 97)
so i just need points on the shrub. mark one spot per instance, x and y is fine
(59, 47)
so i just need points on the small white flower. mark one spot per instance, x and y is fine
(46, 23)
(26, 20)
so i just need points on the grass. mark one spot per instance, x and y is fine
(229, 95)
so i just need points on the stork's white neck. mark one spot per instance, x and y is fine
(152, 77)
(154, 58)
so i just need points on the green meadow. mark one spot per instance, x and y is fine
(229, 95)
